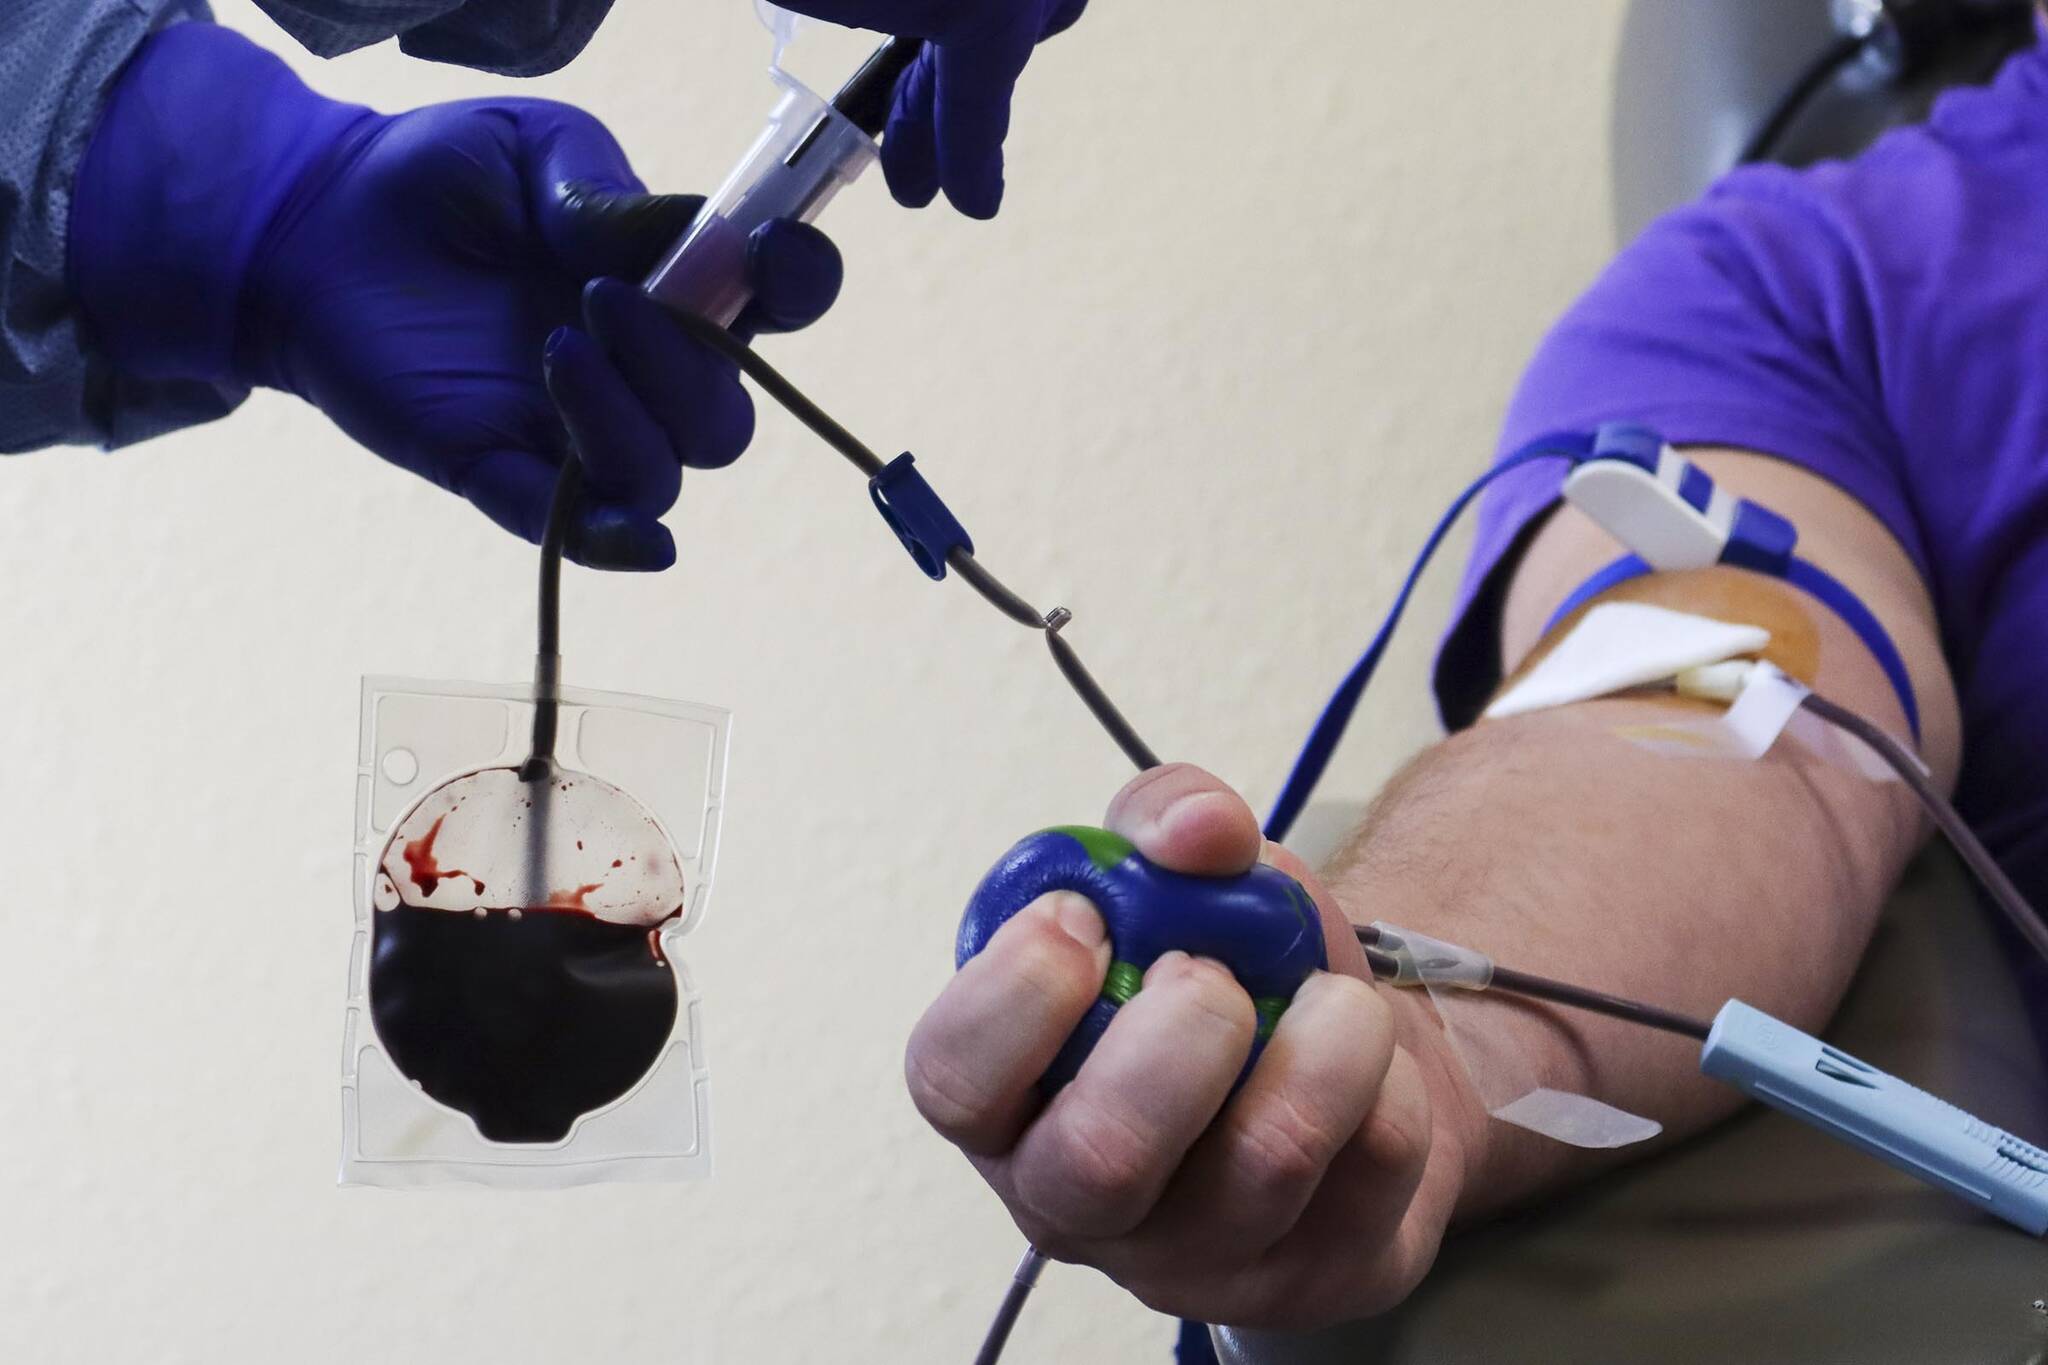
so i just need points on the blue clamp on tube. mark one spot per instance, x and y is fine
(1925, 1137)
(918, 516)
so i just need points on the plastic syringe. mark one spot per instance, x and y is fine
(809, 151)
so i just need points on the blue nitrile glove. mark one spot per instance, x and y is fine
(403, 274)
(953, 106)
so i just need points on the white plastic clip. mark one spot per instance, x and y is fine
(1674, 518)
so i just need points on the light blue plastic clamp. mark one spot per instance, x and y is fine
(1912, 1130)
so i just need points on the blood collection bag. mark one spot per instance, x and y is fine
(518, 1013)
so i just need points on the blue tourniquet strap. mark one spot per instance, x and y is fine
(1329, 727)
(1613, 576)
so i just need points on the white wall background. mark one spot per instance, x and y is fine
(1263, 283)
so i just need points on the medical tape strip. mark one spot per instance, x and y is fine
(1762, 710)
(1767, 704)
(1453, 975)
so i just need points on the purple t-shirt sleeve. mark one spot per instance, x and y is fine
(1742, 321)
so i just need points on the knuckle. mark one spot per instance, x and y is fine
(1174, 1298)
(949, 1097)
(1108, 1161)
(1337, 1001)
(1268, 1304)
(1303, 1294)
(1363, 997)
(1396, 1137)
(1210, 989)
(1280, 1147)
(1053, 1243)
(1048, 965)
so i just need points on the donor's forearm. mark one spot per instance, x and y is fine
(1558, 846)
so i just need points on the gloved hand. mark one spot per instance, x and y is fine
(404, 275)
(953, 106)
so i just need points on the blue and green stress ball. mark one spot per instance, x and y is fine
(1262, 925)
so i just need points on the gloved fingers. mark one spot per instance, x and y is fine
(910, 147)
(593, 212)
(971, 110)
(1188, 821)
(561, 144)
(795, 271)
(1064, 16)
(627, 458)
(692, 393)
(599, 231)
(514, 488)
(619, 538)
(511, 487)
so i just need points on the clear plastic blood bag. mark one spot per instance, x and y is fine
(520, 1012)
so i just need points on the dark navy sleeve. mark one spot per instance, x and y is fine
(57, 60)
(507, 37)
(1743, 321)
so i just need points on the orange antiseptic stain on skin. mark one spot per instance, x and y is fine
(1722, 594)
(427, 872)
(1663, 734)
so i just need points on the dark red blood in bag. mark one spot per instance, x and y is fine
(523, 1020)
(531, 1012)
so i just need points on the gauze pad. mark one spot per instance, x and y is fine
(1619, 645)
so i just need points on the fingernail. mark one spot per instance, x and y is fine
(979, 201)
(1167, 966)
(554, 343)
(1331, 992)
(606, 540)
(1079, 920)
(1185, 805)
(1312, 992)
(599, 295)
(985, 188)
